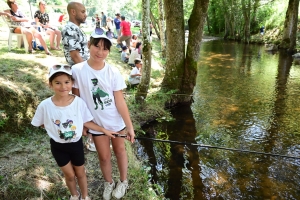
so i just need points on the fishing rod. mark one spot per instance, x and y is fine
(213, 147)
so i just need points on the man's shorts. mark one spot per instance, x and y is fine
(66, 152)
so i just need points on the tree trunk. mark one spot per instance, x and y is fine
(181, 73)
(175, 54)
(146, 71)
(154, 24)
(196, 24)
(208, 25)
(246, 6)
(290, 26)
(161, 23)
(229, 18)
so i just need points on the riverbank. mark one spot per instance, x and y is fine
(28, 170)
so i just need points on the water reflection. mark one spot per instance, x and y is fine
(245, 98)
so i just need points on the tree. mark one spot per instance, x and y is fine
(146, 72)
(161, 23)
(181, 68)
(290, 26)
(246, 6)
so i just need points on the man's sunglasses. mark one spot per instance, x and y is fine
(66, 67)
(100, 31)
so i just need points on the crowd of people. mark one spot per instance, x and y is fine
(88, 98)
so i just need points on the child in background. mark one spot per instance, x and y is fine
(100, 85)
(136, 73)
(63, 116)
(124, 55)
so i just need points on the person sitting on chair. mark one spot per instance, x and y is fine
(19, 20)
(42, 19)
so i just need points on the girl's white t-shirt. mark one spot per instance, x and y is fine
(96, 88)
(63, 124)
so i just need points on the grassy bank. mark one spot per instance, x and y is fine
(27, 169)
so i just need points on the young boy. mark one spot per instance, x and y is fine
(63, 116)
(124, 55)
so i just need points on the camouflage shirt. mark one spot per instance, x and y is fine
(73, 38)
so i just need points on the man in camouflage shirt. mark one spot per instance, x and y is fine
(74, 39)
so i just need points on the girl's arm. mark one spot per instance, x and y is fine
(95, 127)
(123, 110)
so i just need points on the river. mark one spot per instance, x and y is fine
(245, 98)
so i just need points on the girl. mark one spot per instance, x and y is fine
(100, 86)
(63, 116)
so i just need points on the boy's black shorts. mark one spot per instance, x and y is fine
(66, 152)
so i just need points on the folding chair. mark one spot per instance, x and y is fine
(11, 34)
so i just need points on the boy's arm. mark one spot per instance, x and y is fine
(123, 110)
(95, 127)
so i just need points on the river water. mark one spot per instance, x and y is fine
(245, 98)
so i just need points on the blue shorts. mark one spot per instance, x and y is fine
(66, 152)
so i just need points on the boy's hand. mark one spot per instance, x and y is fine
(109, 133)
(84, 131)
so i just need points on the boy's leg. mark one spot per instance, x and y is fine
(69, 174)
(82, 180)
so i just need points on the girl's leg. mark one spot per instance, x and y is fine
(51, 34)
(58, 38)
(42, 41)
(69, 174)
(82, 180)
(121, 155)
(104, 155)
(28, 34)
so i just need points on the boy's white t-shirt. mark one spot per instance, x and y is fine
(135, 79)
(66, 120)
(96, 88)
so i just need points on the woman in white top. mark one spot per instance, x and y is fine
(135, 53)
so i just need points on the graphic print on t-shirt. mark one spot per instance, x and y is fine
(67, 131)
(98, 93)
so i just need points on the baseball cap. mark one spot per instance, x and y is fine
(124, 47)
(99, 33)
(60, 68)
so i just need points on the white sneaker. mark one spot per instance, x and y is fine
(90, 145)
(75, 197)
(86, 198)
(108, 188)
(120, 190)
